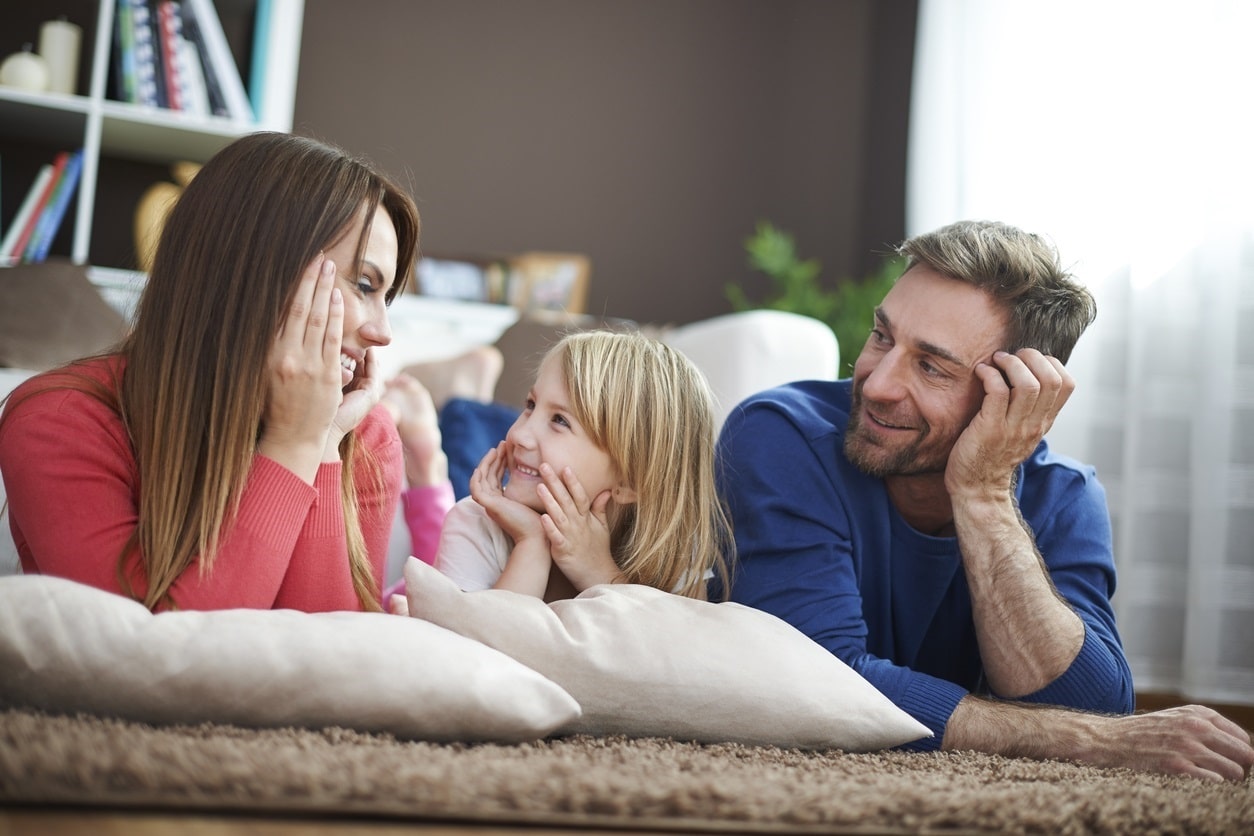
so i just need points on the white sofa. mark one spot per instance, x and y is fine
(744, 353)
(740, 353)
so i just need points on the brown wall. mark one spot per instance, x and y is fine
(649, 134)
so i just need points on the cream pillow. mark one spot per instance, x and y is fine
(648, 663)
(66, 647)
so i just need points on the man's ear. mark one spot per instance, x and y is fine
(623, 494)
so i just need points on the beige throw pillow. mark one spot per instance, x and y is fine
(66, 647)
(647, 663)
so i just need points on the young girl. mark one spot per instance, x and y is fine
(610, 479)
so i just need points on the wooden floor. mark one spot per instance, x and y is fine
(35, 821)
(87, 822)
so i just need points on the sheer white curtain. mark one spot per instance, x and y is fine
(1124, 130)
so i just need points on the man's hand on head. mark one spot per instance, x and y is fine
(1023, 394)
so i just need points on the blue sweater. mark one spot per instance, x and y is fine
(820, 545)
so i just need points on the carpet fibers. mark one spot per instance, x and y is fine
(590, 782)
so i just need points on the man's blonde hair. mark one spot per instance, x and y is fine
(1047, 309)
(651, 410)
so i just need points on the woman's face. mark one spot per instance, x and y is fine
(365, 289)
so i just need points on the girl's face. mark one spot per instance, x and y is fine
(365, 290)
(547, 432)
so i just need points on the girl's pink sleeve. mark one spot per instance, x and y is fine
(425, 509)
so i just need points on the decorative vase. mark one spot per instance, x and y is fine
(153, 207)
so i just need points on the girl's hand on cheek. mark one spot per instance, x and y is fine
(514, 518)
(577, 529)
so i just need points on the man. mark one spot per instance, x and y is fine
(913, 521)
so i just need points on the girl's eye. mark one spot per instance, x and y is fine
(529, 404)
(561, 421)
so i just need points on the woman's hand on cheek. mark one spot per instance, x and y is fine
(578, 529)
(303, 373)
(361, 396)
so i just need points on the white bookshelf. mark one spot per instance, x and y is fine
(106, 128)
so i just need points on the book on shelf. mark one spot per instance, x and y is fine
(125, 89)
(260, 57)
(204, 29)
(195, 90)
(36, 198)
(24, 213)
(170, 32)
(149, 84)
(185, 73)
(54, 212)
(213, 90)
(275, 60)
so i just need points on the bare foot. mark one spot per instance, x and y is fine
(472, 375)
(417, 423)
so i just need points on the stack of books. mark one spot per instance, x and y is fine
(174, 54)
(31, 231)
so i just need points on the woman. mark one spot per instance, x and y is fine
(231, 451)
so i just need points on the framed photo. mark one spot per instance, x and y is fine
(533, 281)
(549, 281)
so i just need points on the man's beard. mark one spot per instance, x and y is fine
(880, 462)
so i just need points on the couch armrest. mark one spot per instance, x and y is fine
(746, 352)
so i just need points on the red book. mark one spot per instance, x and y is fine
(58, 168)
(170, 25)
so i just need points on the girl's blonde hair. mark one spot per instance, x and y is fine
(651, 410)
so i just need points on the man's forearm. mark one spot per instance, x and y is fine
(1028, 634)
(1189, 740)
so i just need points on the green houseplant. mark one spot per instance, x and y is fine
(847, 307)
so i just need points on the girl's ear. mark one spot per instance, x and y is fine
(623, 494)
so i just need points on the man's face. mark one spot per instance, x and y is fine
(914, 384)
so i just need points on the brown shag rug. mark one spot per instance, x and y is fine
(586, 782)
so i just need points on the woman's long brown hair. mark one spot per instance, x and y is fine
(193, 393)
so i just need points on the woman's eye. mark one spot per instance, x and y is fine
(366, 286)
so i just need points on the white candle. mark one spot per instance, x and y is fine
(59, 42)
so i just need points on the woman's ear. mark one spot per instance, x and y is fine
(623, 494)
